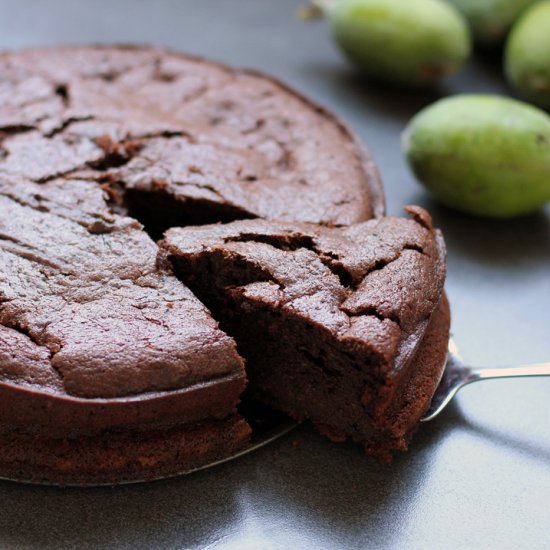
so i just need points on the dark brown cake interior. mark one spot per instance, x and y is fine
(158, 211)
(292, 363)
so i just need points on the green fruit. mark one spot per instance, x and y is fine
(527, 56)
(484, 155)
(491, 19)
(405, 42)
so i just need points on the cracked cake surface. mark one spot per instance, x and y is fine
(204, 142)
(329, 320)
(97, 343)
(83, 286)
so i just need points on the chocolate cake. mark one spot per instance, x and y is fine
(111, 369)
(329, 321)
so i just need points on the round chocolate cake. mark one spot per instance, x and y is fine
(112, 368)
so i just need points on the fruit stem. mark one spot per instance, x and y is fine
(323, 5)
(316, 9)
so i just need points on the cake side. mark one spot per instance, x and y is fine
(119, 456)
(415, 389)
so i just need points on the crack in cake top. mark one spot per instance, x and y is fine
(374, 285)
(203, 135)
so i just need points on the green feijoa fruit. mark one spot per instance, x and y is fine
(527, 55)
(481, 154)
(491, 19)
(404, 42)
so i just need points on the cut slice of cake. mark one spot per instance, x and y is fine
(347, 327)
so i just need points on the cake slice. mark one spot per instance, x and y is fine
(346, 327)
(110, 368)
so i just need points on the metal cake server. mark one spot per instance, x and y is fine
(457, 375)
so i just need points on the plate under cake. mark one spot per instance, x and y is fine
(330, 321)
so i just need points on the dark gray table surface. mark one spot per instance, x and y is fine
(478, 477)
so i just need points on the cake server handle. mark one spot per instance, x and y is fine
(457, 375)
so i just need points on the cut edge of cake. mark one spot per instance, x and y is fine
(318, 312)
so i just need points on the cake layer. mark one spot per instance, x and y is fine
(329, 320)
(118, 457)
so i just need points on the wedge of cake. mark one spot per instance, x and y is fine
(346, 327)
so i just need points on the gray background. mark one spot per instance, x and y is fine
(478, 477)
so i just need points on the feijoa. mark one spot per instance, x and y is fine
(527, 55)
(404, 42)
(491, 19)
(481, 154)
